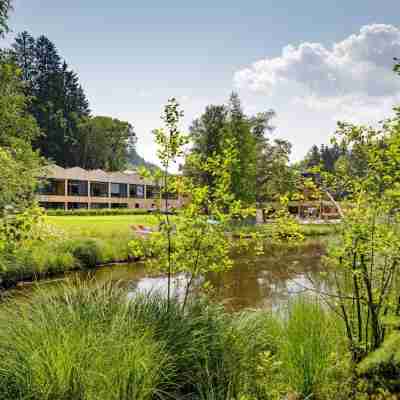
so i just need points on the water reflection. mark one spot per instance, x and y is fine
(266, 281)
(269, 281)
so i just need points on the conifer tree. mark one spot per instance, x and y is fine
(58, 101)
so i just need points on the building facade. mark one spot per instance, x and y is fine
(72, 188)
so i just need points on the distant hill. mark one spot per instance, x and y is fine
(135, 160)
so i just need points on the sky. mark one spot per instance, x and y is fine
(313, 62)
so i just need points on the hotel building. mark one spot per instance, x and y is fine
(72, 188)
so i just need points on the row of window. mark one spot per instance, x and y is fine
(75, 206)
(54, 187)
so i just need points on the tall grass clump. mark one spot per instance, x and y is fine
(310, 339)
(78, 343)
(215, 354)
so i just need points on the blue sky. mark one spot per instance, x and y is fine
(313, 62)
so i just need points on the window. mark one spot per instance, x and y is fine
(99, 189)
(152, 192)
(77, 188)
(119, 190)
(52, 187)
(99, 205)
(169, 196)
(119, 205)
(76, 206)
(52, 206)
(136, 191)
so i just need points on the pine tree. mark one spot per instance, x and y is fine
(58, 101)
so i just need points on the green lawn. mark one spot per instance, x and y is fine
(113, 226)
(100, 226)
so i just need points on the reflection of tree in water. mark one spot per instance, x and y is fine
(268, 281)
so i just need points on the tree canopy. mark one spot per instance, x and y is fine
(105, 143)
(257, 157)
(19, 164)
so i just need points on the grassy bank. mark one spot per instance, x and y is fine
(90, 343)
(77, 242)
(46, 259)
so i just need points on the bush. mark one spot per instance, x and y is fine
(87, 252)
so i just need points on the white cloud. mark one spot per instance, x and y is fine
(356, 72)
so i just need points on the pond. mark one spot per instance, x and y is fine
(266, 281)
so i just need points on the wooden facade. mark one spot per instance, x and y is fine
(70, 188)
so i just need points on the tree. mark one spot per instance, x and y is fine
(20, 165)
(70, 136)
(191, 243)
(272, 159)
(207, 134)
(313, 158)
(220, 125)
(104, 143)
(245, 170)
(5, 8)
(274, 177)
(366, 260)
(58, 101)
(396, 68)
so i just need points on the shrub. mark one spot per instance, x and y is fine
(87, 252)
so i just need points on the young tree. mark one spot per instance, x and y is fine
(191, 243)
(366, 260)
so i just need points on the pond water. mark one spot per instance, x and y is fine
(266, 281)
